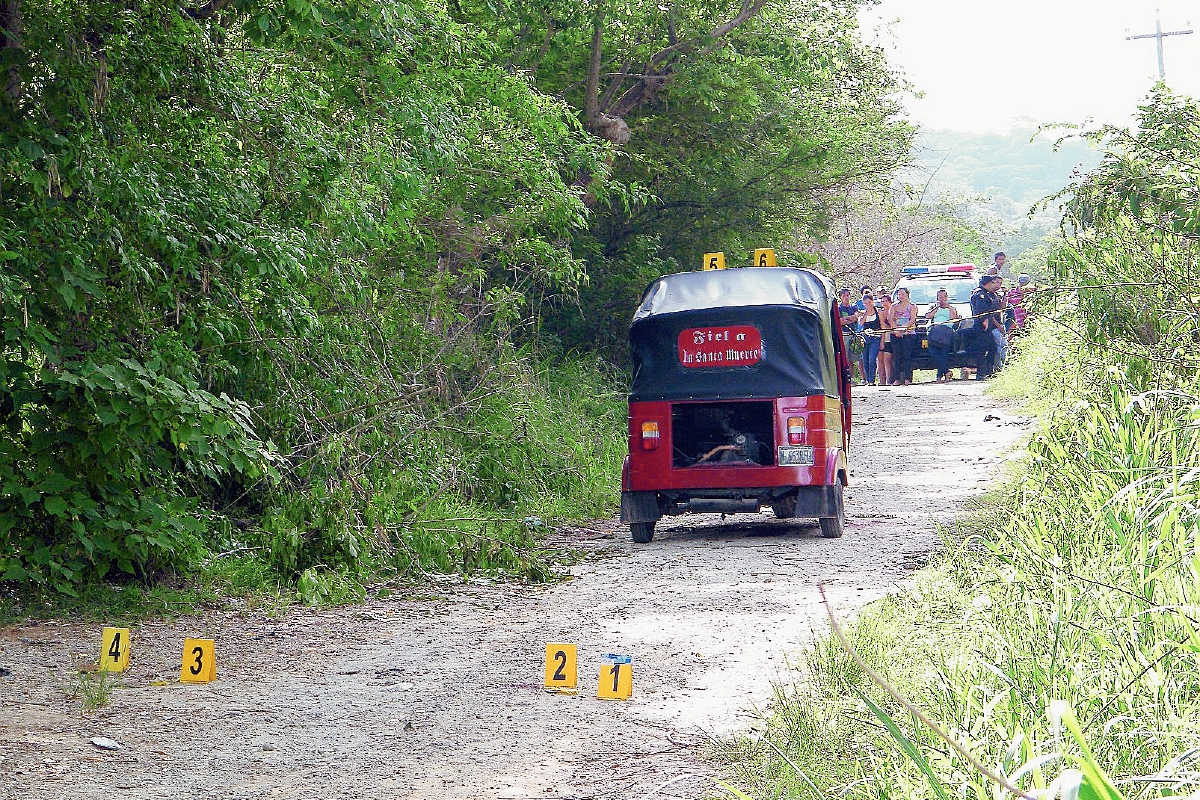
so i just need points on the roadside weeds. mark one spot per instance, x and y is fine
(1054, 636)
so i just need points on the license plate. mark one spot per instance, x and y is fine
(796, 457)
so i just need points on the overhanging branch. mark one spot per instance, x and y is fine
(208, 10)
(662, 65)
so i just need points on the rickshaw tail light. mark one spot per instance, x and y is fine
(795, 430)
(650, 435)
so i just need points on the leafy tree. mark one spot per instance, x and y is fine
(1133, 242)
(876, 234)
(734, 125)
(273, 272)
(247, 247)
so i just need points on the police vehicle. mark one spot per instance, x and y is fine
(923, 283)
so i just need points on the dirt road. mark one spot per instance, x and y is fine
(440, 696)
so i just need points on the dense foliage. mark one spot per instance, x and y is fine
(247, 259)
(740, 124)
(287, 281)
(1134, 248)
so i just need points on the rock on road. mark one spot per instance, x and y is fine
(440, 696)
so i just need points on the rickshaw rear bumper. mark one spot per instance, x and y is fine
(647, 506)
(829, 466)
(733, 490)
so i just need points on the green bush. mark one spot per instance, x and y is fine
(282, 285)
(238, 275)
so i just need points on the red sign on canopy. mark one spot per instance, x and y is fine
(727, 346)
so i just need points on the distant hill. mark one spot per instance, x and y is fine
(993, 180)
(1011, 171)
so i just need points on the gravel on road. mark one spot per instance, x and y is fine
(439, 694)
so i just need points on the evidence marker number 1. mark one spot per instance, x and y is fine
(616, 677)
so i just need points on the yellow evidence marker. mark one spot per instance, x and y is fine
(764, 257)
(114, 650)
(199, 661)
(713, 261)
(616, 678)
(562, 671)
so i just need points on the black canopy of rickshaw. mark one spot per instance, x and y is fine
(790, 308)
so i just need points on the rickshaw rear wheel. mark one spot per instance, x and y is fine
(834, 527)
(642, 532)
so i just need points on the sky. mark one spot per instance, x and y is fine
(993, 66)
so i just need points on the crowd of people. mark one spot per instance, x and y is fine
(881, 329)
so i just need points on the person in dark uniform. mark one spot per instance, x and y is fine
(983, 308)
(850, 316)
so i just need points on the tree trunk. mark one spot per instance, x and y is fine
(607, 127)
(591, 91)
(607, 119)
(604, 115)
(663, 64)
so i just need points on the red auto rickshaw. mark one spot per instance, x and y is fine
(740, 399)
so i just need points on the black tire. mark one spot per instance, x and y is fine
(642, 532)
(834, 527)
(785, 508)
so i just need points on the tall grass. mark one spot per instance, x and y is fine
(485, 488)
(470, 488)
(1056, 637)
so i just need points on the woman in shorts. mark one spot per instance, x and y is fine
(941, 339)
(884, 363)
(904, 326)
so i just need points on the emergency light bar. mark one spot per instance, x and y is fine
(930, 269)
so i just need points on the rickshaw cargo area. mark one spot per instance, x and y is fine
(740, 399)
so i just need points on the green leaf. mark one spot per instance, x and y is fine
(738, 793)
(68, 294)
(31, 150)
(55, 483)
(54, 505)
(907, 746)
(1096, 785)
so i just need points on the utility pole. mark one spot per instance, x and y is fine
(1158, 34)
